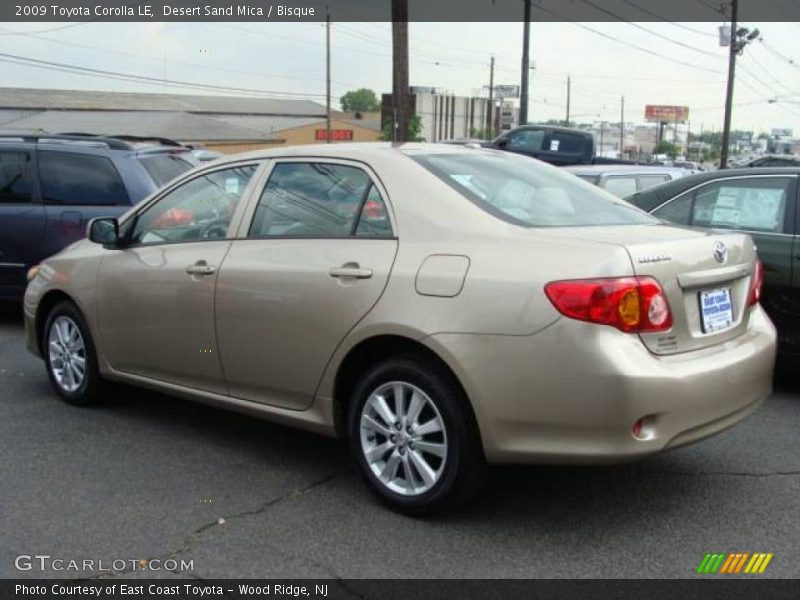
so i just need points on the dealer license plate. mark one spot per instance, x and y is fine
(716, 309)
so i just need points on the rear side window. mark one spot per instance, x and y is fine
(15, 178)
(755, 204)
(621, 186)
(80, 180)
(525, 193)
(751, 204)
(314, 200)
(648, 181)
(164, 167)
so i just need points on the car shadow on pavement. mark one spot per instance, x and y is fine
(559, 494)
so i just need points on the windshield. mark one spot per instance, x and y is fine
(524, 192)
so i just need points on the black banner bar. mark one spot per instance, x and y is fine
(380, 10)
(731, 588)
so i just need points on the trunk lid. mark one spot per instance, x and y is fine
(686, 265)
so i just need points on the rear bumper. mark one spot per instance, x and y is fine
(572, 392)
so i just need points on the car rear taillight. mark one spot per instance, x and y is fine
(632, 304)
(756, 283)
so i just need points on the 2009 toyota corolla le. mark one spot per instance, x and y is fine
(439, 307)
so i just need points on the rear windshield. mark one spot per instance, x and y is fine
(164, 167)
(527, 193)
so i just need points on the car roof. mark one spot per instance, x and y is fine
(656, 196)
(359, 151)
(623, 169)
(553, 128)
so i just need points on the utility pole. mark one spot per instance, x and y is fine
(569, 86)
(327, 76)
(602, 135)
(732, 51)
(526, 38)
(622, 129)
(400, 91)
(490, 112)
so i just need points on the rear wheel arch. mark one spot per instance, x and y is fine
(374, 350)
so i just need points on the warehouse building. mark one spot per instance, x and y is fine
(222, 123)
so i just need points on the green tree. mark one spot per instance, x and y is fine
(360, 100)
(414, 130)
(668, 148)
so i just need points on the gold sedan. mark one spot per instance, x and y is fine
(440, 307)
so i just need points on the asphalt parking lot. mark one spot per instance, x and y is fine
(147, 476)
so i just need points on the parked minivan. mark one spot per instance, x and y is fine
(52, 185)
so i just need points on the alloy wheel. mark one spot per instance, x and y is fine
(67, 353)
(403, 438)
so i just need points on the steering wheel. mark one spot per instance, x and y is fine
(214, 230)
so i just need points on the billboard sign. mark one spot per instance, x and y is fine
(666, 114)
(504, 91)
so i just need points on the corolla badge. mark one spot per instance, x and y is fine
(720, 252)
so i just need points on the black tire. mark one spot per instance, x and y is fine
(462, 470)
(92, 388)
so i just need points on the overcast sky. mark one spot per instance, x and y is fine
(684, 66)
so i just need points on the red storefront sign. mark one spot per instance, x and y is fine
(337, 135)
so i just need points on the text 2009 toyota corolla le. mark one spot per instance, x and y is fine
(439, 307)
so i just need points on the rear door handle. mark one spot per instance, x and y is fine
(201, 267)
(350, 270)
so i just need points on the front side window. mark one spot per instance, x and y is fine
(15, 178)
(526, 139)
(754, 204)
(200, 209)
(319, 200)
(80, 180)
(523, 192)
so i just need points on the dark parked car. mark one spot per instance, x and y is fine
(51, 186)
(774, 160)
(559, 146)
(761, 202)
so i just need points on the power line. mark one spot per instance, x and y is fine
(660, 18)
(172, 61)
(629, 44)
(649, 31)
(50, 65)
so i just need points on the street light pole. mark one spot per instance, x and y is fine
(732, 50)
(569, 90)
(526, 38)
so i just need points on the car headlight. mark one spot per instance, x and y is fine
(32, 273)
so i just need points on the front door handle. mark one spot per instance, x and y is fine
(350, 270)
(201, 267)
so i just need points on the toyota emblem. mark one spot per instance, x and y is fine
(720, 252)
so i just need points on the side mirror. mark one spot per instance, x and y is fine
(103, 230)
(501, 143)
